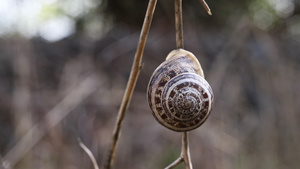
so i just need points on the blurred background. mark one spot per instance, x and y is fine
(64, 65)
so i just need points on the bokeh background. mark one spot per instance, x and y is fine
(64, 65)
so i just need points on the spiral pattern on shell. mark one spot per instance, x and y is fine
(178, 95)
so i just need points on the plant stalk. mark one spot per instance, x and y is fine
(179, 24)
(136, 68)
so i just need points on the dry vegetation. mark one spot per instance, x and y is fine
(53, 93)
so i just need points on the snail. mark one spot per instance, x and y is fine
(178, 95)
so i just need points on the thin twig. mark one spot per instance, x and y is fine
(175, 163)
(206, 7)
(185, 154)
(89, 153)
(185, 151)
(136, 68)
(179, 24)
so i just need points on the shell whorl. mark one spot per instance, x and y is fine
(178, 95)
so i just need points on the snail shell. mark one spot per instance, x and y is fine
(178, 95)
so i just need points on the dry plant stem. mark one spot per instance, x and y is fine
(175, 163)
(185, 154)
(206, 7)
(136, 68)
(185, 151)
(89, 153)
(179, 24)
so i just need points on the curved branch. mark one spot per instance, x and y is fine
(89, 153)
